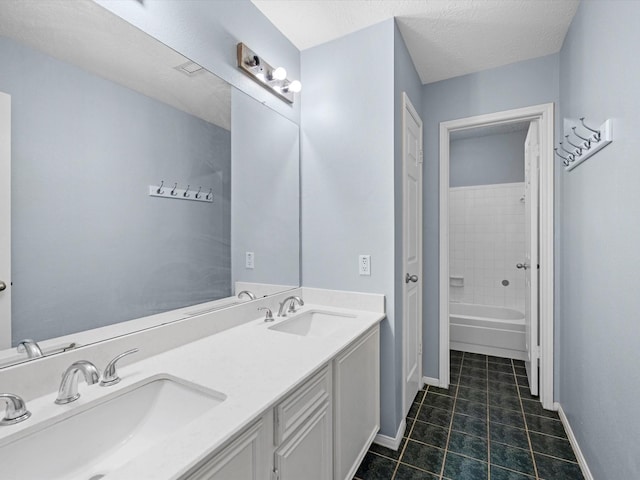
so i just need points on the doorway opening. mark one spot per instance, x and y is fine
(496, 241)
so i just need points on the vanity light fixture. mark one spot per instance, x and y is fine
(272, 78)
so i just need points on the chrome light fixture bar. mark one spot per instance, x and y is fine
(272, 78)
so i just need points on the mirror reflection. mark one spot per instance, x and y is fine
(141, 183)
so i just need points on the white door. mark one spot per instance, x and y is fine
(412, 252)
(5, 221)
(530, 266)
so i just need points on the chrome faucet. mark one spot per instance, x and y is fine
(292, 300)
(110, 375)
(68, 391)
(249, 294)
(31, 347)
(268, 316)
(16, 411)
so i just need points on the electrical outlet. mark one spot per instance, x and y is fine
(249, 260)
(364, 264)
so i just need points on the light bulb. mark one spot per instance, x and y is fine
(279, 73)
(294, 86)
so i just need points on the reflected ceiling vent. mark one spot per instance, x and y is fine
(190, 68)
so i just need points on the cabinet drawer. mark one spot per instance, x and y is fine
(295, 409)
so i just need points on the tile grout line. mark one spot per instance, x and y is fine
(453, 409)
(526, 427)
(488, 427)
(413, 424)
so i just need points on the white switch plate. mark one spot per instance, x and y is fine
(364, 264)
(249, 260)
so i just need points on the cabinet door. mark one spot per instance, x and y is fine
(307, 454)
(356, 403)
(242, 459)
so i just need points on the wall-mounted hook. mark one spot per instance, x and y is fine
(587, 141)
(210, 194)
(186, 192)
(596, 132)
(198, 194)
(565, 160)
(160, 191)
(173, 192)
(578, 147)
(571, 155)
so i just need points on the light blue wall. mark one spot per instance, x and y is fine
(487, 160)
(406, 79)
(84, 231)
(599, 321)
(265, 193)
(517, 85)
(207, 32)
(348, 176)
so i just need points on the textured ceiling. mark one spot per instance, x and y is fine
(446, 38)
(84, 34)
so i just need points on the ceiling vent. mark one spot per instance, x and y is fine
(190, 68)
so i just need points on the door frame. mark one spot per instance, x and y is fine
(408, 109)
(544, 113)
(5, 219)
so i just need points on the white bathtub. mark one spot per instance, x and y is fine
(485, 329)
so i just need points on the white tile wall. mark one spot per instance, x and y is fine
(486, 241)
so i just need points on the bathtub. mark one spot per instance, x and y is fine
(486, 329)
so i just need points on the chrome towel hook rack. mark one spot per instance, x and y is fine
(180, 193)
(585, 146)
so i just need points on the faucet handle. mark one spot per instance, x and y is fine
(16, 411)
(269, 315)
(110, 375)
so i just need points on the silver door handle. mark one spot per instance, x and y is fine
(3, 286)
(522, 265)
(410, 278)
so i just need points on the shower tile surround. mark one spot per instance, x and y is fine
(485, 425)
(486, 241)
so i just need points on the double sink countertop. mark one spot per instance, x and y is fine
(253, 365)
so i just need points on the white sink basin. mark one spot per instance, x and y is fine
(314, 323)
(107, 433)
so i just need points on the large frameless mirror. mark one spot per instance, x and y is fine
(144, 188)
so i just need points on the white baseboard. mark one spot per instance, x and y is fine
(392, 442)
(574, 443)
(434, 382)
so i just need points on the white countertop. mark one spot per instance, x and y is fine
(253, 366)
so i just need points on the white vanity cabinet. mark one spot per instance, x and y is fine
(244, 458)
(320, 431)
(356, 373)
(303, 432)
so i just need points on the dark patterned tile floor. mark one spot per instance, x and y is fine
(486, 426)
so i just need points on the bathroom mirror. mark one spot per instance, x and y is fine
(144, 188)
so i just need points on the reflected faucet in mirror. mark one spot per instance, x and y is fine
(247, 293)
(31, 347)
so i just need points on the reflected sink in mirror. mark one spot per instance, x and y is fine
(314, 323)
(108, 433)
